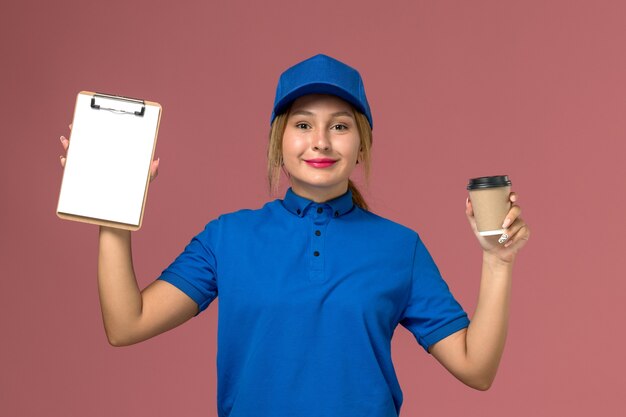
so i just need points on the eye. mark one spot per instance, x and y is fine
(340, 127)
(301, 125)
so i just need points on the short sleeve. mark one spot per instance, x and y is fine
(432, 313)
(194, 271)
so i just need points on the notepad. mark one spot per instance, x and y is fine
(107, 167)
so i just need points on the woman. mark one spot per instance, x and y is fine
(312, 286)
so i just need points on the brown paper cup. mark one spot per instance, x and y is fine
(491, 205)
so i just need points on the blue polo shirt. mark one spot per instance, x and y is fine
(310, 295)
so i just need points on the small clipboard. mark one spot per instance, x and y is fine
(107, 166)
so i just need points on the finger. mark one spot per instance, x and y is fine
(512, 230)
(513, 197)
(469, 213)
(520, 232)
(154, 169)
(65, 142)
(513, 214)
(62, 158)
(469, 210)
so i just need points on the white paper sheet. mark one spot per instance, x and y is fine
(108, 161)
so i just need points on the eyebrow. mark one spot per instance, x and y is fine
(308, 113)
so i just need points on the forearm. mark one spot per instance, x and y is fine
(487, 332)
(120, 298)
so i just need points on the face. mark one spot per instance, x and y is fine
(320, 146)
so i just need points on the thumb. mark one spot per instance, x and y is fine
(469, 211)
(154, 168)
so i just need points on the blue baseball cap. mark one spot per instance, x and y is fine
(321, 74)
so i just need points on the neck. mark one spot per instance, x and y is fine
(319, 194)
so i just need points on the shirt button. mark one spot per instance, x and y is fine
(298, 211)
(317, 233)
(319, 209)
(316, 253)
(336, 214)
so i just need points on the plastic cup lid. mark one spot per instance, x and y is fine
(489, 182)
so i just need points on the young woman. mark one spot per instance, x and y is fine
(313, 286)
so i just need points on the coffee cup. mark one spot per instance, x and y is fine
(490, 202)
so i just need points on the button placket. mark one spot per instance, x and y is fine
(320, 219)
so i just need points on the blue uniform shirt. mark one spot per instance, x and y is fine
(310, 295)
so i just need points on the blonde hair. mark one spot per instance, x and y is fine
(275, 153)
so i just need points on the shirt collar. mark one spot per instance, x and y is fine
(298, 205)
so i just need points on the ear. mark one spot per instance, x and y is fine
(359, 157)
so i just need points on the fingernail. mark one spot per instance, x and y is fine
(61, 139)
(506, 223)
(467, 201)
(503, 238)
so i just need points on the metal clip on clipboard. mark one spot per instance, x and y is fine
(123, 105)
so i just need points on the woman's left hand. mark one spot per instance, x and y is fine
(516, 233)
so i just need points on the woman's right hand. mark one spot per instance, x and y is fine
(154, 166)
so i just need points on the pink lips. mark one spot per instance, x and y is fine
(320, 162)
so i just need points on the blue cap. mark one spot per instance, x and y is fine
(321, 74)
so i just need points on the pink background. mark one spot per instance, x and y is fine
(533, 89)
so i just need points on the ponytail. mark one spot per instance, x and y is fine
(357, 197)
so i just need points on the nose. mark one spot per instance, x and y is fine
(321, 141)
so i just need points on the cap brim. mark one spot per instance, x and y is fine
(316, 88)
